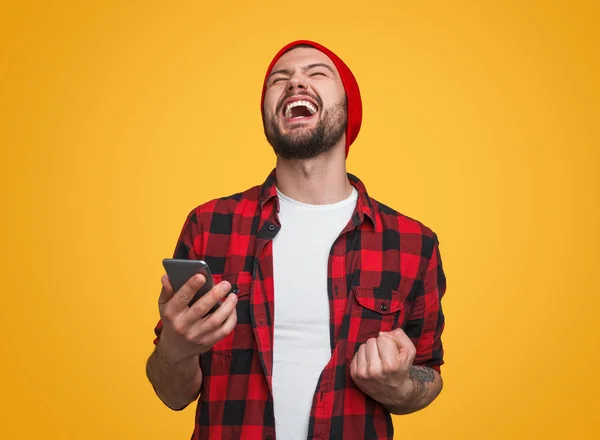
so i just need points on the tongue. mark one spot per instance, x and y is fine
(300, 111)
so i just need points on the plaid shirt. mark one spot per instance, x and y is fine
(384, 272)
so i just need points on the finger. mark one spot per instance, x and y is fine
(361, 361)
(372, 355)
(201, 307)
(166, 292)
(388, 353)
(184, 295)
(354, 365)
(216, 319)
(218, 333)
(405, 346)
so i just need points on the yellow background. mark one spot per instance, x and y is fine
(480, 120)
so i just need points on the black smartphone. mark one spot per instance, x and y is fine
(180, 271)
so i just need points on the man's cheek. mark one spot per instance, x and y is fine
(272, 109)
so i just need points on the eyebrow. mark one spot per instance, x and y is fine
(305, 69)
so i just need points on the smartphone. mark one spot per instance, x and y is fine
(180, 271)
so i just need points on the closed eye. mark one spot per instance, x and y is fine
(318, 73)
(276, 80)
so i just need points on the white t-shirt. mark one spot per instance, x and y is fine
(301, 346)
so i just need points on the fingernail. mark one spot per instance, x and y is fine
(383, 333)
(234, 297)
(225, 286)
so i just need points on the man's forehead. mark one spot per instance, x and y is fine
(302, 57)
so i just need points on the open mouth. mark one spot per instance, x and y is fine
(299, 109)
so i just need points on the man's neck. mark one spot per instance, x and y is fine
(317, 181)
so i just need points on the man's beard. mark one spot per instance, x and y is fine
(306, 143)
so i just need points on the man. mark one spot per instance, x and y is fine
(334, 321)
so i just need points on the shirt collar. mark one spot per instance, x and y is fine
(364, 205)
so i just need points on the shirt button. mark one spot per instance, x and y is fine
(235, 290)
(383, 307)
(271, 228)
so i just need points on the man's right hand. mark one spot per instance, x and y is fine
(186, 332)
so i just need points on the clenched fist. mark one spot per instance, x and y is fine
(381, 366)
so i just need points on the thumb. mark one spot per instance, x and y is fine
(399, 336)
(166, 293)
(404, 343)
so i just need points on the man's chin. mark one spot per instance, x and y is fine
(297, 128)
(298, 143)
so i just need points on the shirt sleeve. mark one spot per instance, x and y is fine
(426, 321)
(188, 247)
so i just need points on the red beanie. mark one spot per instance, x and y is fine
(350, 85)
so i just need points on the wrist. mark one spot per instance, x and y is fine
(168, 355)
(416, 391)
(403, 396)
(407, 390)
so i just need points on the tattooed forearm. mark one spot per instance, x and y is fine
(426, 385)
(421, 376)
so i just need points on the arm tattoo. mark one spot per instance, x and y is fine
(421, 374)
(421, 377)
(424, 391)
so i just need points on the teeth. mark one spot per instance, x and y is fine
(288, 109)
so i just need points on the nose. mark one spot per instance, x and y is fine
(297, 81)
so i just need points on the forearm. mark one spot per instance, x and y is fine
(177, 384)
(425, 383)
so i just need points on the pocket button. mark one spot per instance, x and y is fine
(383, 307)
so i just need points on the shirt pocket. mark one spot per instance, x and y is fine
(373, 310)
(242, 336)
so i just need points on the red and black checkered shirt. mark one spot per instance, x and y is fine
(384, 272)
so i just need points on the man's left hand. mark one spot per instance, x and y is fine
(381, 368)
